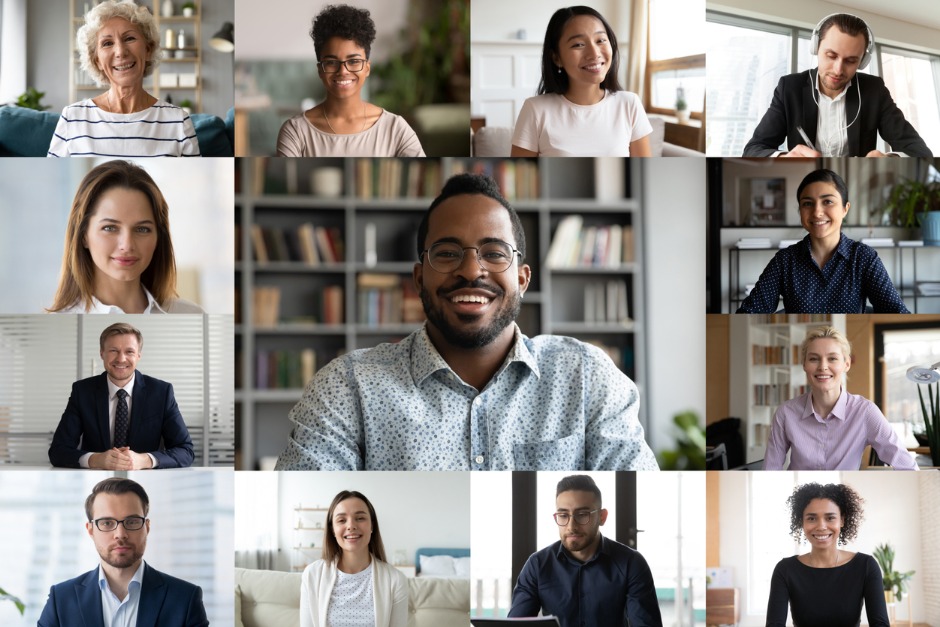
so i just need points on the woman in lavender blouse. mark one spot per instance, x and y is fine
(827, 428)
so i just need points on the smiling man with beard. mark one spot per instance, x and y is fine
(585, 578)
(123, 590)
(469, 391)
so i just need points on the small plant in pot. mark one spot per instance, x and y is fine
(682, 107)
(930, 409)
(186, 105)
(32, 99)
(189, 8)
(893, 582)
(914, 204)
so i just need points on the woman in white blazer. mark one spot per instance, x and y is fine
(353, 585)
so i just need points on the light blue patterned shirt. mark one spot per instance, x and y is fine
(555, 404)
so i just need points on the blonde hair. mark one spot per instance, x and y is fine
(832, 333)
(86, 40)
(77, 279)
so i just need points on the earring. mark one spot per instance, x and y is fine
(559, 69)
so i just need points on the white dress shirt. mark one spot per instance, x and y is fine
(175, 305)
(112, 412)
(832, 131)
(118, 612)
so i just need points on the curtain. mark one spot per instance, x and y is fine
(639, 45)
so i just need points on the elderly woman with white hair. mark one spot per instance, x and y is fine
(119, 45)
(827, 428)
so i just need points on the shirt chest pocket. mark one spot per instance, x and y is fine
(564, 454)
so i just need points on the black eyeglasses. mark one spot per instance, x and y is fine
(581, 518)
(493, 256)
(131, 523)
(331, 66)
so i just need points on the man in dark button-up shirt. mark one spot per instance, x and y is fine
(853, 275)
(585, 579)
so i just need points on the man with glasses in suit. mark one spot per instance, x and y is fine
(123, 589)
(585, 578)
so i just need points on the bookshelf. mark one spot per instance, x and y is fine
(307, 545)
(179, 74)
(372, 208)
(765, 369)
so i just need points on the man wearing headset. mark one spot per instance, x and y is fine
(831, 110)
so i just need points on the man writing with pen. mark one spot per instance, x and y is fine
(832, 110)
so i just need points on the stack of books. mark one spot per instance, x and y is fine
(577, 246)
(307, 244)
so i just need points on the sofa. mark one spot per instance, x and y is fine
(267, 598)
(27, 132)
(492, 141)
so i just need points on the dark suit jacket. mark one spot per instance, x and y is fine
(154, 415)
(793, 105)
(165, 601)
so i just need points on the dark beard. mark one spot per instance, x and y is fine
(461, 338)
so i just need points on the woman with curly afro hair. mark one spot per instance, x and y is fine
(345, 125)
(826, 587)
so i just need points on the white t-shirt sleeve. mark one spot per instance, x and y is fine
(526, 133)
(639, 123)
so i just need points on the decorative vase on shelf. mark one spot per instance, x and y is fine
(166, 9)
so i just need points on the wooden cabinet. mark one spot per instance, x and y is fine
(722, 606)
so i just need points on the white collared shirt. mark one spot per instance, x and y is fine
(118, 612)
(112, 413)
(175, 305)
(832, 131)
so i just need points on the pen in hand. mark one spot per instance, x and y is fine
(805, 137)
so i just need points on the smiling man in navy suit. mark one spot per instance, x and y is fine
(116, 420)
(123, 590)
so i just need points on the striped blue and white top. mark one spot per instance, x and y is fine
(161, 130)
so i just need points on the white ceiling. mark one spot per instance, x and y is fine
(922, 12)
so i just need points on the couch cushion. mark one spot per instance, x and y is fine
(492, 141)
(238, 607)
(436, 602)
(26, 132)
(269, 597)
(212, 135)
(657, 137)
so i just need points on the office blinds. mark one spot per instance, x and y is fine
(41, 356)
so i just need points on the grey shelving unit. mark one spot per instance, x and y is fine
(553, 304)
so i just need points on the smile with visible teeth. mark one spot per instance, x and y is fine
(470, 298)
(595, 66)
(121, 68)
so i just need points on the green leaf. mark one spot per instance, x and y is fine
(4, 596)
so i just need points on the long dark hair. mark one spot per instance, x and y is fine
(331, 550)
(552, 81)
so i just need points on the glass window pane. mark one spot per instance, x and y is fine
(491, 566)
(676, 28)
(903, 349)
(911, 83)
(744, 66)
(666, 83)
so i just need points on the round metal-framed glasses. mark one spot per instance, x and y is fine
(495, 256)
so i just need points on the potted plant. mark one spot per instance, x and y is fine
(893, 582)
(931, 409)
(689, 453)
(682, 107)
(913, 204)
(186, 105)
(32, 99)
(189, 8)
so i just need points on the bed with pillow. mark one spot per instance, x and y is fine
(443, 563)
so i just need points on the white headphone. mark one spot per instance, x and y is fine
(866, 58)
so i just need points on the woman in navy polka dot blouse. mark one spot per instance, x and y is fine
(826, 272)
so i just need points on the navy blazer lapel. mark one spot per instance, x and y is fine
(138, 403)
(102, 413)
(152, 595)
(854, 131)
(89, 599)
(810, 111)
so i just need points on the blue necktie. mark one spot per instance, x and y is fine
(121, 420)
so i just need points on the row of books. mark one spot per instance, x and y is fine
(266, 306)
(387, 299)
(420, 178)
(773, 394)
(575, 245)
(284, 369)
(774, 355)
(789, 318)
(606, 302)
(306, 243)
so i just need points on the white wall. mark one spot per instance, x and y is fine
(497, 20)
(414, 509)
(890, 515)
(674, 216)
(806, 13)
(279, 29)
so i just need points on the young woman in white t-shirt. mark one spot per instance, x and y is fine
(581, 109)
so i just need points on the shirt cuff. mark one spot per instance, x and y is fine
(153, 460)
(83, 460)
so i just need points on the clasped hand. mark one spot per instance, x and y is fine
(120, 459)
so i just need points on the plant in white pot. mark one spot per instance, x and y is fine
(931, 409)
(913, 204)
(682, 107)
(189, 8)
(893, 582)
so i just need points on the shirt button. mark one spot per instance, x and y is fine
(476, 401)
(478, 459)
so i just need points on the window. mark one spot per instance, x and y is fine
(902, 349)
(912, 80)
(676, 56)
